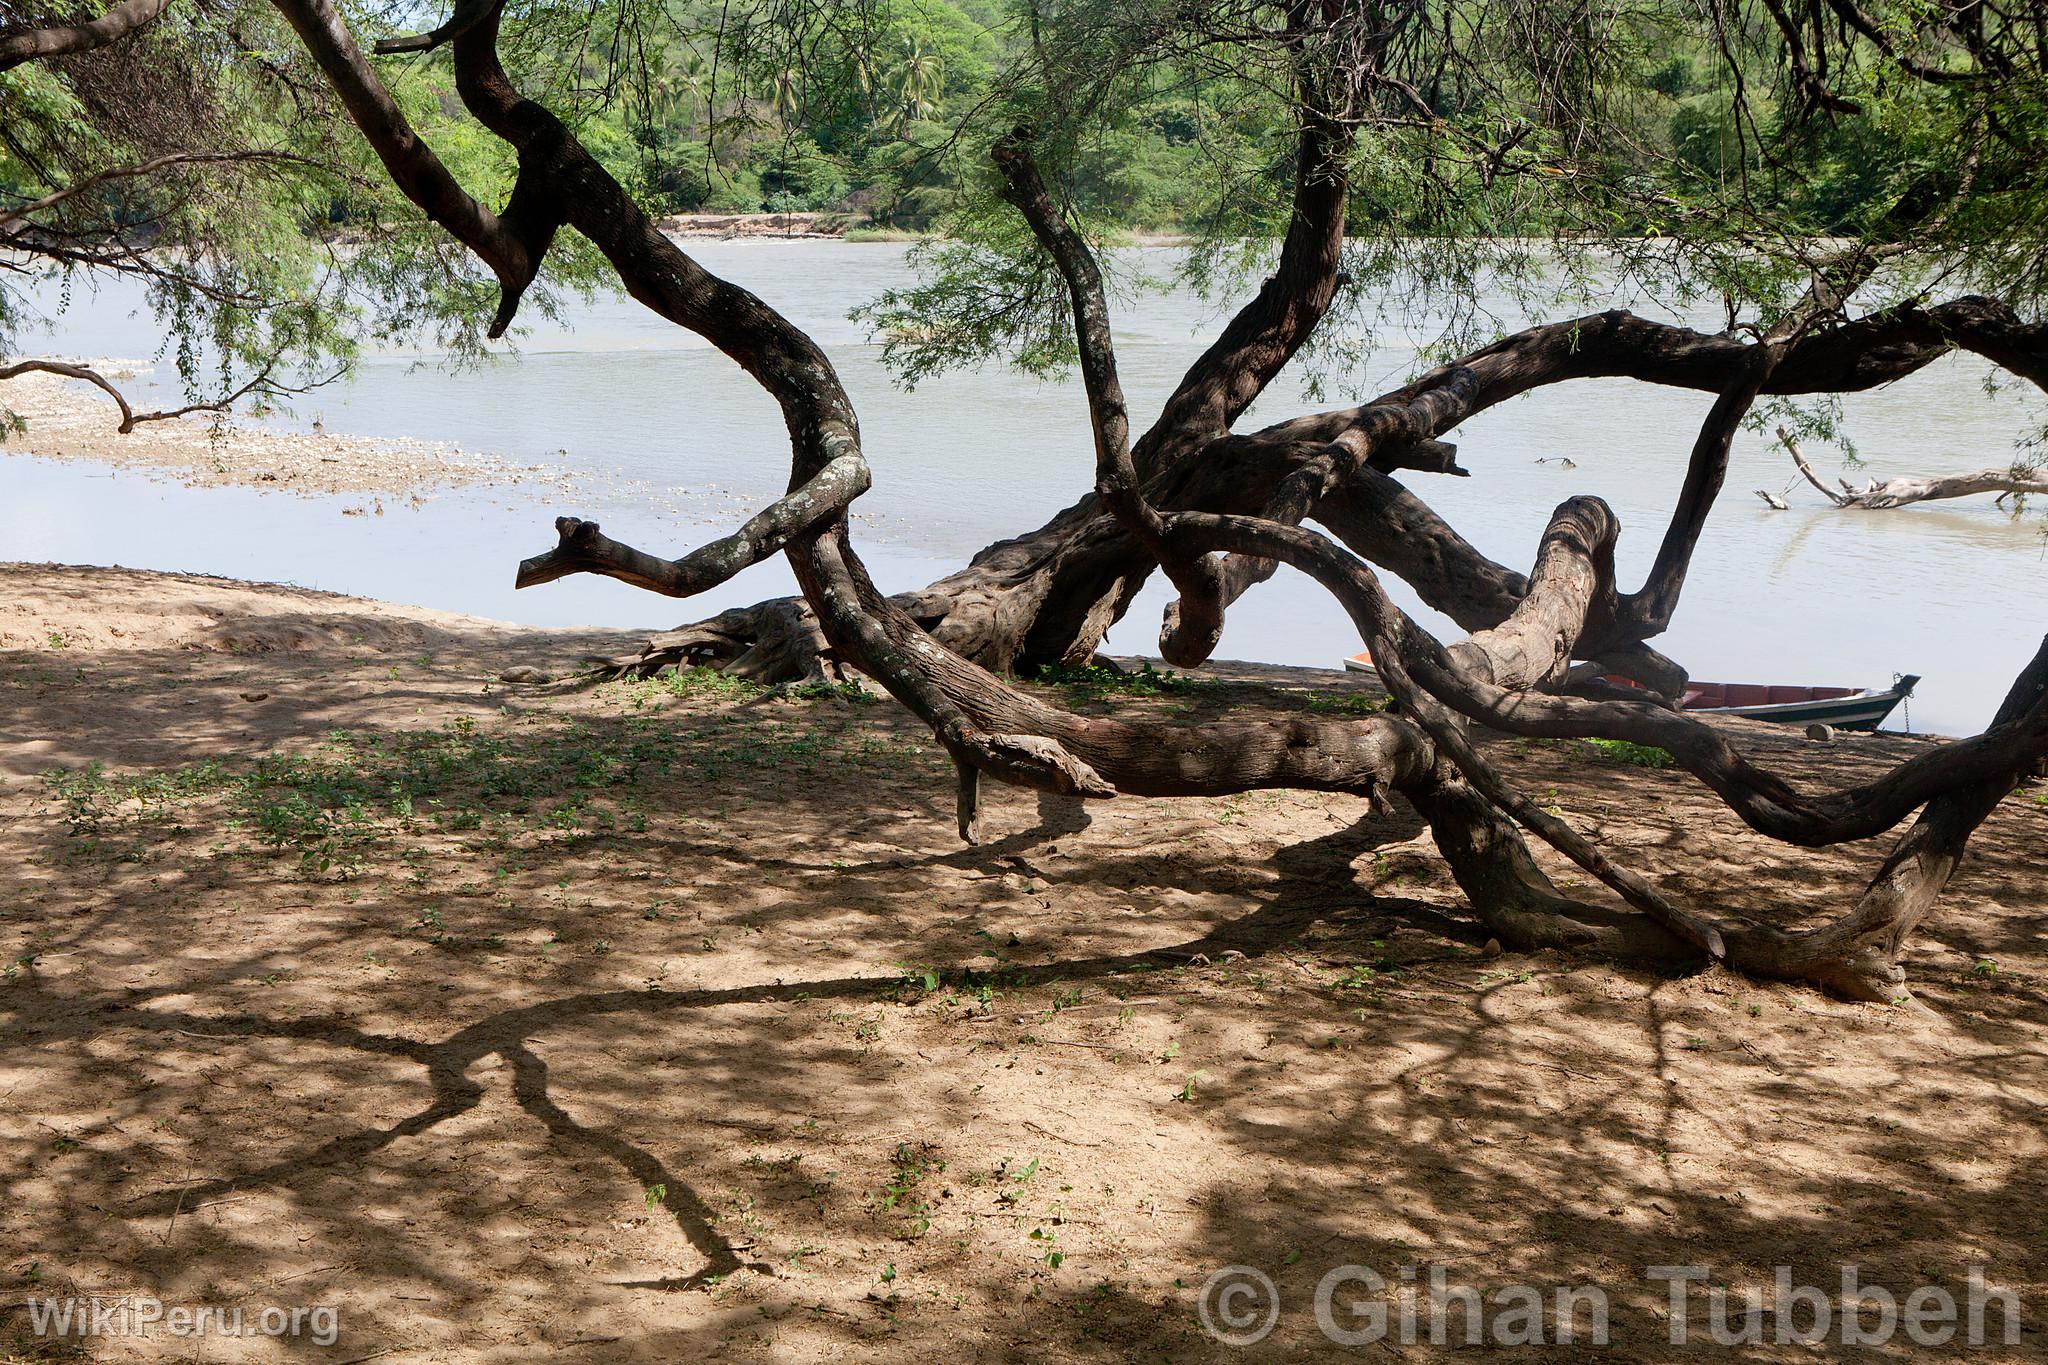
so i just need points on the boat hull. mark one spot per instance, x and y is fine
(1863, 711)
(1847, 710)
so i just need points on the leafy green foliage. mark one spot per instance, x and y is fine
(1497, 170)
(1348, 703)
(1612, 751)
(1096, 680)
(986, 293)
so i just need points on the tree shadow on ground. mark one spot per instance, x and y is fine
(481, 1069)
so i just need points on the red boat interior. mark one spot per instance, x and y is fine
(1709, 695)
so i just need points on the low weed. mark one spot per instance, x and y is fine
(1620, 752)
(1348, 703)
(1098, 680)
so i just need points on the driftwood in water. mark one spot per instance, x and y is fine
(2014, 480)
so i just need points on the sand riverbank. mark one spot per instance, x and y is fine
(68, 419)
(663, 1021)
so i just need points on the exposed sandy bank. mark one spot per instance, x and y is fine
(71, 420)
(659, 1022)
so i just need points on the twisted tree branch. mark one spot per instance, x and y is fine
(63, 40)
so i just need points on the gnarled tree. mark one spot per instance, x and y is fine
(1473, 116)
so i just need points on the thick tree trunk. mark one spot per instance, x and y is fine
(1214, 510)
(1048, 596)
(1051, 594)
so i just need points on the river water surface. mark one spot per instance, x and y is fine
(671, 443)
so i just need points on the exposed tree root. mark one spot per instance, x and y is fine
(1213, 509)
(769, 643)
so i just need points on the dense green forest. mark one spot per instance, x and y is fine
(867, 114)
(1708, 152)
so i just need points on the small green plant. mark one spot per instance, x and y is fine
(697, 682)
(1348, 703)
(1095, 680)
(817, 689)
(1625, 752)
(909, 1167)
(919, 980)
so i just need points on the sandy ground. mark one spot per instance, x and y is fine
(69, 419)
(661, 1022)
(73, 421)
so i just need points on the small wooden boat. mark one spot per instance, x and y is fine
(1845, 708)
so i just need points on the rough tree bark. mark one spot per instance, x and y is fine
(1525, 630)
(35, 44)
(1216, 508)
(994, 609)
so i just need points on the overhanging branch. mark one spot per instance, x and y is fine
(584, 549)
(262, 383)
(66, 39)
(10, 218)
(467, 15)
(512, 246)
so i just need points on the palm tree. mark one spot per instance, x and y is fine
(676, 94)
(864, 69)
(787, 98)
(919, 82)
(689, 82)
